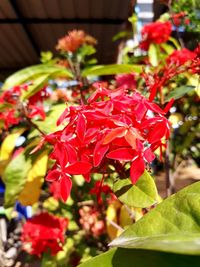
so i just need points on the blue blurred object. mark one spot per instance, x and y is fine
(23, 211)
(2, 187)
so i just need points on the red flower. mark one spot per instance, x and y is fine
(156, 33)
(180, 57)
(43, 233)
(74, 39)
(100, 188)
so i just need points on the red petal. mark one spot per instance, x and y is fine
(168, 106)
(158, 132)
(53, 175)
(65, 187)
(87, 177)
(121, 154)
(79, 168)
(117, 132)
(149, 155)
(71, 152)
(62, 116)
(99, 152)
(60, 154)
(137, 169)
(81, 127)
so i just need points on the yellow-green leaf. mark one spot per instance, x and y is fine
(31, 191)
(8, 144)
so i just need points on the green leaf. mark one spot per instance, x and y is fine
(153, 55)
(37, 85)
(111, 69)
(14, 178)
(141, 195)
(179, 92)
(121, 257)
(167, 48)
(122, 34)
(175, 43)
(30, 73)
(172, 226)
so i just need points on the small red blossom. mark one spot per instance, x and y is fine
(179, 18)
(155, 33)
(100, 188)
(180, 57)
(43, 233)
(74, 39)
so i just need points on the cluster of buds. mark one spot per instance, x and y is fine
(90, 220)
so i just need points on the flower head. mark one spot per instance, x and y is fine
(43, 233)
(155, 33)
(74, 39)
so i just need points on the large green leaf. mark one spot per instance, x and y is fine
(36, 86)
(153, 55)
(14, 178)
(179, 92)
(143, 194)
(30, 73)
(121, 257)
(173, 226)
(111, 69)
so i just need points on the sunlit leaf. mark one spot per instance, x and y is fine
(8, 144)
(153, 55)
(179, 92)
(142, 194)
(121, 257)
(111, 69)
(33, 72)
(172, 226)
(31, 191)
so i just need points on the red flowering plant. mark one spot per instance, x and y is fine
(113, 128)
(104, 147)
(44, 233)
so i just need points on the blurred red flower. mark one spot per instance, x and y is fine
(43, 233)
(74, 39)
(156, 33)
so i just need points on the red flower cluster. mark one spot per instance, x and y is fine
(43, 233)
(34, 107)
(156, 33)
(74, 39)
(113, 128)
(180, 18)
(180, 57)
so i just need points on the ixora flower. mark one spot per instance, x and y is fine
(155, 33)
(180, 57)
(31, 109)
(74, 39)
(43, 233)
(113, 128)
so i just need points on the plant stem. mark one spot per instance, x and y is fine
(169, 179)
